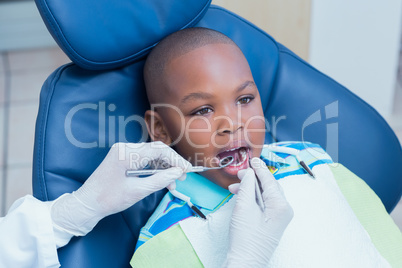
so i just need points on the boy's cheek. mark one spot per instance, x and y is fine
(197, 133)
(197, 140)
(196, 148)
(256, 135)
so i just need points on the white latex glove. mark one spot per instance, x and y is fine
(255, 234)
(108, 190)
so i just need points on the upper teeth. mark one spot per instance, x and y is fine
(232, 149)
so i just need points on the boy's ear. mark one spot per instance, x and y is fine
(156, 127)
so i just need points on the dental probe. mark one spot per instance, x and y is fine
(258, 195)
(147, 172)
(291, 151)
(186, 199)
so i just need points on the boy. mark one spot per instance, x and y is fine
(208, 79)
(205, 104)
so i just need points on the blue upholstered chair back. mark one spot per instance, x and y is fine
(88, 105)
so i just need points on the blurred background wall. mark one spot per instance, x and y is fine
(355, 42)
(288, 21)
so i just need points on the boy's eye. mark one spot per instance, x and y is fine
(202, 111)
(245, 100)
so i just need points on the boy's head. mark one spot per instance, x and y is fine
(204, 102)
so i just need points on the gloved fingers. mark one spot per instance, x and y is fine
(269, 184)
(241, 173)
(234, 188)
(275, 201)
(261, 170)
(128, 155)
(171, 186)
(171, 157)
(155, 182)
(140, 154)
(183, 177)
(246, 193)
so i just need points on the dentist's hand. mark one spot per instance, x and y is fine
(108, 190)
(255, 234)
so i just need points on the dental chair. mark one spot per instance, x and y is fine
(99, 99)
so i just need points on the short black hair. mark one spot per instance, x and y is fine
(173, 46)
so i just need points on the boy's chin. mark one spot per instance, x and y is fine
(221, 178)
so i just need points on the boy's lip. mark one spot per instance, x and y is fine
(233, 146)
(240, 163)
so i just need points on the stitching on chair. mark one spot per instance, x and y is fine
(44, 111)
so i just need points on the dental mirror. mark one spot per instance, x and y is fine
(224, 162)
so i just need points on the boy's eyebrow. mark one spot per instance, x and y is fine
(204, 95)
(245, 84)
(196, 95)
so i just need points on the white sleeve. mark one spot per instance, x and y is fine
(26, 235)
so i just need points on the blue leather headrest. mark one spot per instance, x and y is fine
(104, 34)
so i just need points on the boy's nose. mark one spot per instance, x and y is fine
(230, 127)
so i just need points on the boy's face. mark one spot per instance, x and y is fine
(218, 110)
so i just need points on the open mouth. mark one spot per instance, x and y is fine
(240, 156)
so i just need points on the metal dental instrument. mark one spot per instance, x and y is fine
(291, 151)
(186, 199)
(224, 162)
(258, 189)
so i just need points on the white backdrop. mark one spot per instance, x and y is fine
(357, 43)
